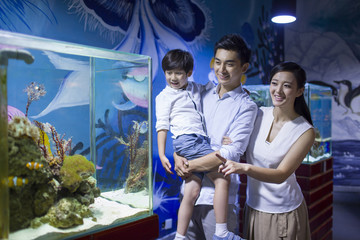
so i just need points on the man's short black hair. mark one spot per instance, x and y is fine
(234, 42)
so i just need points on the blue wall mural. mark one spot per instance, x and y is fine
(149, 28)
(325, 40)
(153, 27)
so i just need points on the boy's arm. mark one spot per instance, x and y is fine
(161, 138)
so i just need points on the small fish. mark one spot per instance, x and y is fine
(34, 165)
(14, 181)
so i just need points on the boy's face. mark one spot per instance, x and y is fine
(228, 68)
(177, 78)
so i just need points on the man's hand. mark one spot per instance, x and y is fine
(181, 165)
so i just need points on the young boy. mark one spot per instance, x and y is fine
(178, 108)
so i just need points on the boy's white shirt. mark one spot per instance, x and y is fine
(176, 111)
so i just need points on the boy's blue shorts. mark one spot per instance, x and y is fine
(191, 146)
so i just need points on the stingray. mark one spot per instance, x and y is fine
(74, 89)
(148, 28)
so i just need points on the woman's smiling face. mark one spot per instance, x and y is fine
(284, 89)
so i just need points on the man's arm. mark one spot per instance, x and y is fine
(239, 132)
(209, 162)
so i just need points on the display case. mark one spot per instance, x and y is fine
(75, 142)
(319, 101)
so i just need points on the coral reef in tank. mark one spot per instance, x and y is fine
(61, 146)
(74, 171)
(317, 149)
(46, 184)
(24, 152)
(138, 176)
(67, 212)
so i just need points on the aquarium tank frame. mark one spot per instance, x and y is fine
(18, 40)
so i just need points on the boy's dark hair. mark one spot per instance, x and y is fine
(234, 42)
(178, 59)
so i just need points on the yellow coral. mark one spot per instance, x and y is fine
(74, 170)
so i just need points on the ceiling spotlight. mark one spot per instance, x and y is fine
(283, 11)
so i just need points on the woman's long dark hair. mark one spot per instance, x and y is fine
(300, 105)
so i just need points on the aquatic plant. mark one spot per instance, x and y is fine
(62, 146)
(34, 92)
(138, 172)
(133, 139)
(138, 156)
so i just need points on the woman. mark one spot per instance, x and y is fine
(282, 136)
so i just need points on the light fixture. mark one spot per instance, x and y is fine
(283, 11)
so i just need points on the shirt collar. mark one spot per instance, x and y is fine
(189, 87)
(233, 93)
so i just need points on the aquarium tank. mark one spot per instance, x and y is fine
(75, 139)
(319, 100)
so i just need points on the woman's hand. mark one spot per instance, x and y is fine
(228, 167)
(181, 165)
(226, 140)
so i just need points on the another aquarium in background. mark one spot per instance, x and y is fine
(79, 138)
(319, 101)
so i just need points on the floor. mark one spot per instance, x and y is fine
(346, 215)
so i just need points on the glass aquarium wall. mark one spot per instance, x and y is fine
(319, 100)
(78, 137)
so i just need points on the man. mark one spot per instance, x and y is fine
(230, 112)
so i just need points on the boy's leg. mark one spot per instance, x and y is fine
(221, 207)
(221, 197)
(191, 193)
